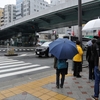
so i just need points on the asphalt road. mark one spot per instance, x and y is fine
(24, 57)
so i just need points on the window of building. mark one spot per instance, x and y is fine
(25, 10)
(24, 14)
(28, 13)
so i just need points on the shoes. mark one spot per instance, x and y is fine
(78, 76)
(92, 79)
(94, 98)
(61, 86)
(57, 87)
(74, 74)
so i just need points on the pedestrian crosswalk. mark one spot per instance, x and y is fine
(10, 67)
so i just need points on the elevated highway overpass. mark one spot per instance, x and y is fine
(63, 15)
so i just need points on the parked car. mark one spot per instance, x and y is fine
(43, 50)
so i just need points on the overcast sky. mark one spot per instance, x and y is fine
(4, 2)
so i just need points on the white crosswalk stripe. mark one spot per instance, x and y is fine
(11, 63)
(4, 67)
(10, 67)
(22, 55)
(7, 61)
(14, 69)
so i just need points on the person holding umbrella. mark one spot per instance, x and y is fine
(60, 65)
(78, 60)
(62, 49)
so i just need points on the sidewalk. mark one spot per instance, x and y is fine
(44, 88)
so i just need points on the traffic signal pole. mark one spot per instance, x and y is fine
(80, 20)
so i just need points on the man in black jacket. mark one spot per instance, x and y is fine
(96, 51)
(90, 59)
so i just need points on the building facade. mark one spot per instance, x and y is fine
(54, 2)
(19, 9)
(32, 6)
(1, 17)
(57, 2)
(9, 14)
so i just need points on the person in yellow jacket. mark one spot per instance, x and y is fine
(77, 60)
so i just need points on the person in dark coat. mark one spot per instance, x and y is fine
(90, 59)
(58, 72)
(96, 51)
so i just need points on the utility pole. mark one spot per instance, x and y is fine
(80, 20)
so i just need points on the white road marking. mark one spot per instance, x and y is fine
(19, 68)
(26, 55)
(22, 72)
(10, 66)
(7, 61)
(12, 63)
(23, 55)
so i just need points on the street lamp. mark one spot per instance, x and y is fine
(80, 21)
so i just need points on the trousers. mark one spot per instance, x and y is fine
(58, 72)
(97, 81)
(77, 68)
(91, 70)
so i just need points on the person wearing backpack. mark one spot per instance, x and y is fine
(96, 51)
(61, 67)
(90, 59)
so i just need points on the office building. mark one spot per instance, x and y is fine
(19, 9)
(9, 13)
(57, 2)
(1, 17)
(32, 6)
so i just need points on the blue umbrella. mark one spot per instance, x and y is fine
(63, 48)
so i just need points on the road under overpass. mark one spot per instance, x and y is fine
(56, 17)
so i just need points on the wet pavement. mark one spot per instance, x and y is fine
(43, 87)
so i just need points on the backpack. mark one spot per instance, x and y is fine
(61, 64)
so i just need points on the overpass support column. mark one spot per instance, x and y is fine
(80, 21)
